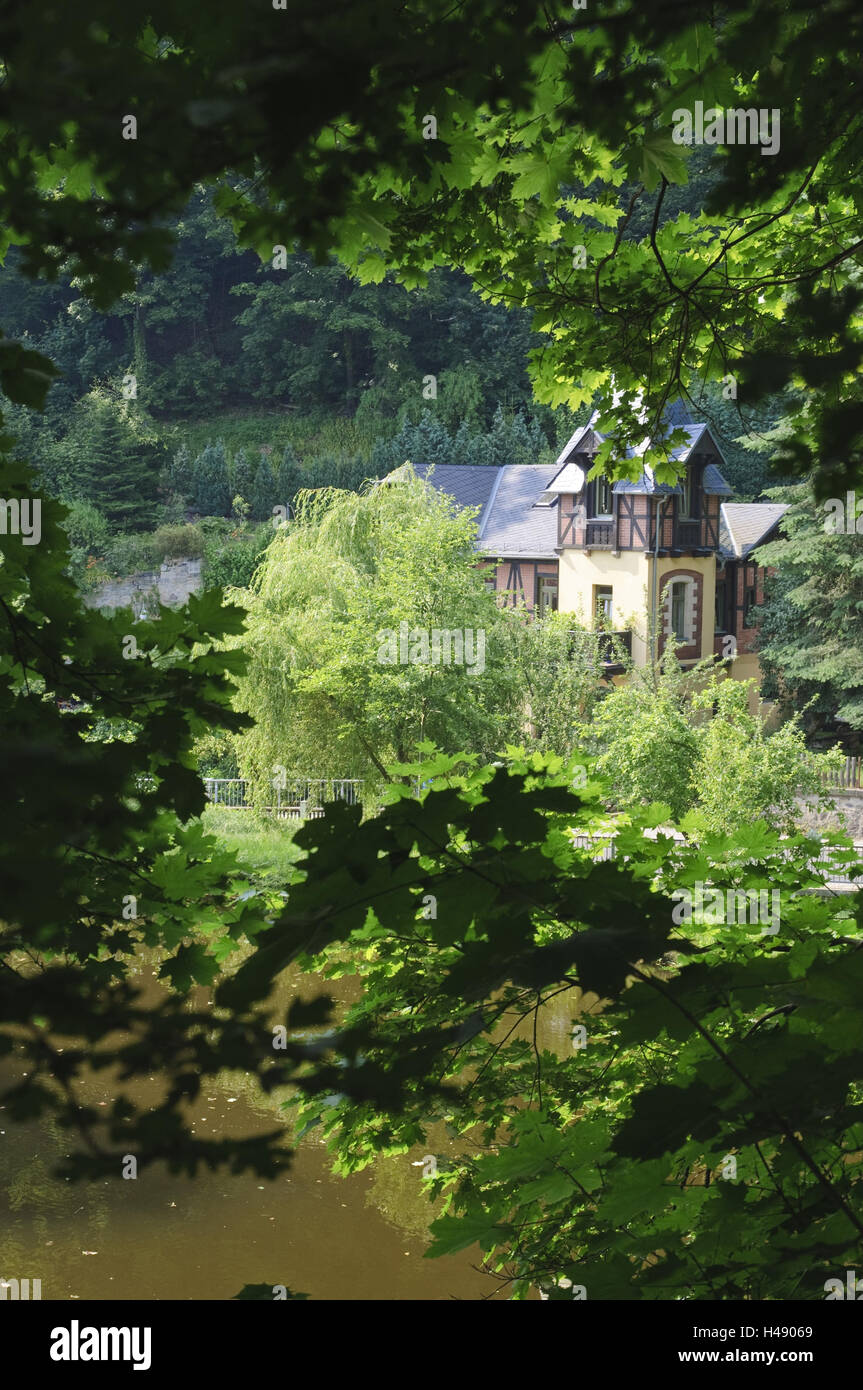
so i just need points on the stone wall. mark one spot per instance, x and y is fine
(172, 584)
(848, 808)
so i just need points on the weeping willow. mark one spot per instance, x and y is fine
(332, 685)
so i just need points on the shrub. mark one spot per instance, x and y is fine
(85, 526)
(128, 553)
(230, 562)
(178, 543)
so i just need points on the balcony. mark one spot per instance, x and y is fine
(599, 535)
(612, 646)
(687, 535)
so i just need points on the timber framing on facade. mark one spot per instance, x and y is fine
(630, 557)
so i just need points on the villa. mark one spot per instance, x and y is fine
(631, 556)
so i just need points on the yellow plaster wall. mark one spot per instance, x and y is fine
(629, 574)
(626, 572)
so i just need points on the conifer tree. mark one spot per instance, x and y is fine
(212, 486)
(462, 444)
(289, 479)
(242, 476)
(178, 474)
(264, 490)
(116, 466)
(324, 472)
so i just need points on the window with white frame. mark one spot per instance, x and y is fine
(603, 602)
(602, 497)
(680, 609)
(546, 593)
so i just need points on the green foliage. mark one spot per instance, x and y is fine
(115, 460)
(266, 848)
(740, 772)
(559, 669)
(242, 475)
(215, 754)
(327, 686)
(644, 738)
(128, 553)
(737, 1045)
(264, 490)
(530, 163)
(744, 433)
(211, 487)
(700, 1140)
(512, 439)
(87, 531)
(177, 543)
(811, 623)
(289, 480)
(687, 738)
(101, 853)
(230, 560)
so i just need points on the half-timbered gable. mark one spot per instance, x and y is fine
(596, 514)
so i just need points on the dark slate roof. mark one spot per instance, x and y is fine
(743, 526)
(513, 525)
(470, 484)
(509, 523)
(714, 482)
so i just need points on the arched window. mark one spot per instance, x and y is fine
(681, 600)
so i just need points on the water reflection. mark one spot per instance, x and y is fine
(165, 1236)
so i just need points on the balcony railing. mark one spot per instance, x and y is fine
(614, 646)
(599, 535)
(687, 534)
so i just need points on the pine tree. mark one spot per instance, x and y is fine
(525, 436)
(325, 472)
(384, 457)
(242, 476)
(212, 486)
(500, 439)
(481, 450)
(461, 448)
(434, 442)
(118, 470)
(289, 479)
(352, 473)
(264, 490)
(178, 474)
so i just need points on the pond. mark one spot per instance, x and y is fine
(163, 1236)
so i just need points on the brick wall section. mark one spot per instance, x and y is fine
(508, 573)
(747, 576)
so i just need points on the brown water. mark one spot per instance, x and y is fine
(163, 1236)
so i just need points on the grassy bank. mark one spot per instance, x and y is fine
(309, 435)
(266, 849)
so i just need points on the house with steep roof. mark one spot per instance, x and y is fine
(631, 556)
(517, 530)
